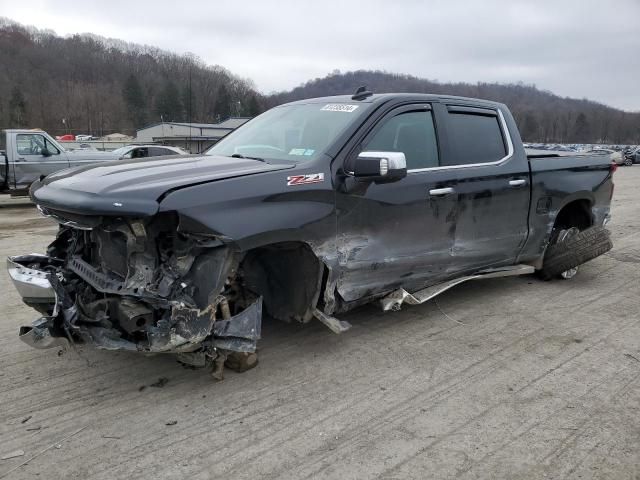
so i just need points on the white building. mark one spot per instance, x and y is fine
(194, 137)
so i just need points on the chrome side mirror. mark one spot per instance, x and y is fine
(380, 166)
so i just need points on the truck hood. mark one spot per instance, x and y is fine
(134, 187)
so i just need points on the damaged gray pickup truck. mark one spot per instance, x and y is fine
(307, 211)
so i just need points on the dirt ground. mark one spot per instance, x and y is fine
(502, 379)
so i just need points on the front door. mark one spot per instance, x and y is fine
(30, 164)
(395, 234)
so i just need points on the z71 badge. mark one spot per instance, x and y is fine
(305, 179)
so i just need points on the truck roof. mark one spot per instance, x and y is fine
(22, 130)
(385, 97)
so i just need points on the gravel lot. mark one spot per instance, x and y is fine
(506, 378)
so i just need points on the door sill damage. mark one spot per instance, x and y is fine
(395, 299)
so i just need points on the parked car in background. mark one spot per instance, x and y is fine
(615, 157)
(85, 146)
(145, 151)
(632, 156)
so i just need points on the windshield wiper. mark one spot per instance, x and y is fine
(239, 155)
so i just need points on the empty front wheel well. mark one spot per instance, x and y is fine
(287, 275)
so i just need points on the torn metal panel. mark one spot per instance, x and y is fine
(40, 336)
(394, 300)
(244, 325)
(335, 325)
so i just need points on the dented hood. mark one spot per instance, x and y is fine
(134, 187)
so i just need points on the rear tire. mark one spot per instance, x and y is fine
(628, 162)
(564, 256)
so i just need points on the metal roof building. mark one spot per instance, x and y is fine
(194, 137)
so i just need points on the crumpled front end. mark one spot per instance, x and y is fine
(138, 285)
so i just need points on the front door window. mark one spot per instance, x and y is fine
(34, 144)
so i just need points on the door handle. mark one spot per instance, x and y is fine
(517, 183)
(441, 192)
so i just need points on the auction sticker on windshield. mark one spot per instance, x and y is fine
(339, 107)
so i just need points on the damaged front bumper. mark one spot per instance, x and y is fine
(32, 284)
(41, 280)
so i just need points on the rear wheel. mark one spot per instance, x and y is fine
(628, 162)
(572, 247)
(563, 236)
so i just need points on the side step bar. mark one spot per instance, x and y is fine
(395, 299)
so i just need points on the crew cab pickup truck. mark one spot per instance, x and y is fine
(307, 211)
(27, 155)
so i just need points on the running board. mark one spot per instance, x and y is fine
(395, 299)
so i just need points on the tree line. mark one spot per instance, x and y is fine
(88, 84)
(541, 115)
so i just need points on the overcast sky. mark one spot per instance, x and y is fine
(576, 48)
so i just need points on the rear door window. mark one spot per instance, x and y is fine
(159, 151)
(475, 136)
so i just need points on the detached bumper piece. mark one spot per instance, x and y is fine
(30, 277)
(211, 336)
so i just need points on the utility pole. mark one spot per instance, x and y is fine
(189, 149)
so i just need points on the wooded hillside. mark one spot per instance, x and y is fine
(93, 85)
(89, 84)
(541, 116)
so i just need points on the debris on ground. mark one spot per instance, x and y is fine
(32, 457)
(14, 454)
(172, 422)
(26, 419)
(162, 381)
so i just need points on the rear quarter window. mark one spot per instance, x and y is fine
(474, 138)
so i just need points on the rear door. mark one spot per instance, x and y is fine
(490, 183)
(29, 162)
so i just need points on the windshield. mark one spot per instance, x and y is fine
(297, 133)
